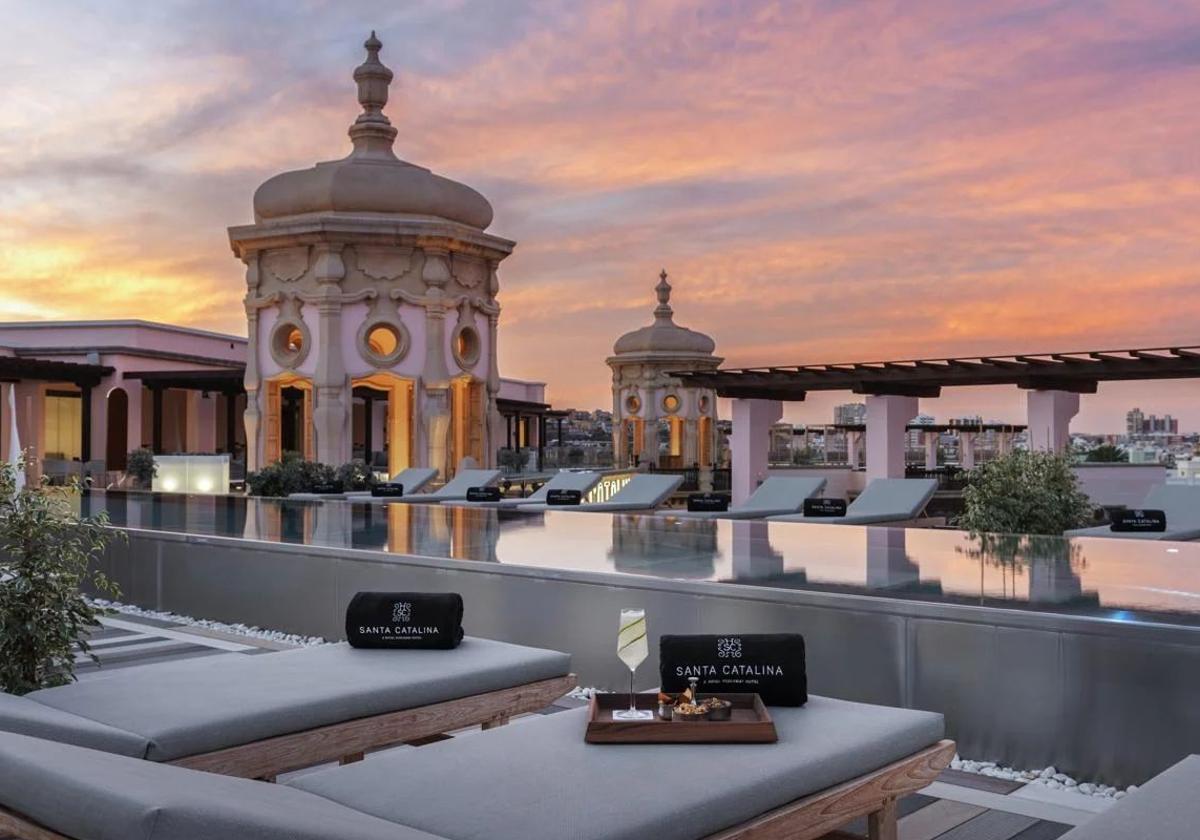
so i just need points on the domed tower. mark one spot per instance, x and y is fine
(649, 404)
(371, 306)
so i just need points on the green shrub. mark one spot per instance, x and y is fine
(1107, 453)
(1024, 493)
(510, 460)
(141, 468)
(290, 474)
(356, 475)
(45, 552)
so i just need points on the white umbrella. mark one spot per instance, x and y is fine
(14, 437)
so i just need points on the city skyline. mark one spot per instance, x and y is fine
(824, 183)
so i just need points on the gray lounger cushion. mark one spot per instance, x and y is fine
(581, 481)
(199, 705)
(1166, 808)
(884, 500)
(24, 716)
(93, 795)
(642, 492)
(1180, 502)
(455, 489)
(470, 787)
(412, 478)
(777, 496)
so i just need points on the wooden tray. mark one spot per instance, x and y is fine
(749, 723)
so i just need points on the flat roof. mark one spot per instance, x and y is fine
(1077, 371)
(121, 322)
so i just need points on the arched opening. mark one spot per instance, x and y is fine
(382, 421)
(704, 448)
(116, 446)
(288, 418)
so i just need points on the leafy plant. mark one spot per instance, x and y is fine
(1107, 453)
(290, 474)
(1024, 493)
(356, 475)
(141, 467)
(45, 554)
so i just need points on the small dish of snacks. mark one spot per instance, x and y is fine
(682, 719)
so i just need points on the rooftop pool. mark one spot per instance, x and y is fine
(1116, 580)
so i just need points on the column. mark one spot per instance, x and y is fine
(331, 411)
(1050, 414)
(251, 417)
(134, 391)
(1003, 443)
(85, 424)
(156, 421)
(852, 450)
(930, 439)
(750, 443)
(230, 422)
(887, 418)
(966, 450)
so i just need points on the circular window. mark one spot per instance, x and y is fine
(633, 405)
(466, 346)
(670, 403)
(289, 343)
(383, 343)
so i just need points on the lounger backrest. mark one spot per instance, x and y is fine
(648, 491)
(782, 493)
(1165, 807)
(84, 793)
(465, 480)
(414, 478)
(903, 498)
(581, 481)
(1181, 503)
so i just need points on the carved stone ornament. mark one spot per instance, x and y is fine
(382, 264)
(287, 264)
(467, 273)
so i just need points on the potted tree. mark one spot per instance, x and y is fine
(140, 468)
(46, 552)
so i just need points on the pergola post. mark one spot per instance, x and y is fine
(1050, 414)
(930, 440)
(156, 421)
(887, 419)
(85, 411)
(852, 450)
(966, 450)
(750, 444)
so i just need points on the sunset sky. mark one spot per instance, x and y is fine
(824, 181)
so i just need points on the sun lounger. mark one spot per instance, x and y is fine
(884, 500)
(1165, 808)
(644, 491)
(777, 496)
(455, 490)
(1180, 502)
(581, 481)
(412, 479)
(835, 761)
(261, 715)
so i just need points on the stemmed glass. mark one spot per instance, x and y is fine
(632, 649)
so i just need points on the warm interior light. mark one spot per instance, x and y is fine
(170, 484)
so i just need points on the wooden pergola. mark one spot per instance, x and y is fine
(84, 376)
(1073, 372)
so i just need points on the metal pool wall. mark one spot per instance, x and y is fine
(1107, 700)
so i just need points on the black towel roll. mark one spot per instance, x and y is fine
(387, 490)
(768, 664)
(405, 620)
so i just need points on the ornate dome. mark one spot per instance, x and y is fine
(371, 179)
(664, 336)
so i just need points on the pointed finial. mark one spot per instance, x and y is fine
(663, 290)
(372, 132)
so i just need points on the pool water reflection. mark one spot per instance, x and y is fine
(1120, 580)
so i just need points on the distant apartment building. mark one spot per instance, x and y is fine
(850, 414)
(916, 438)
(1138, 424)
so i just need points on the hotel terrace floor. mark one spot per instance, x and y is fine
(959, 806)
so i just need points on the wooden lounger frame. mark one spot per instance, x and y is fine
(872, 795)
